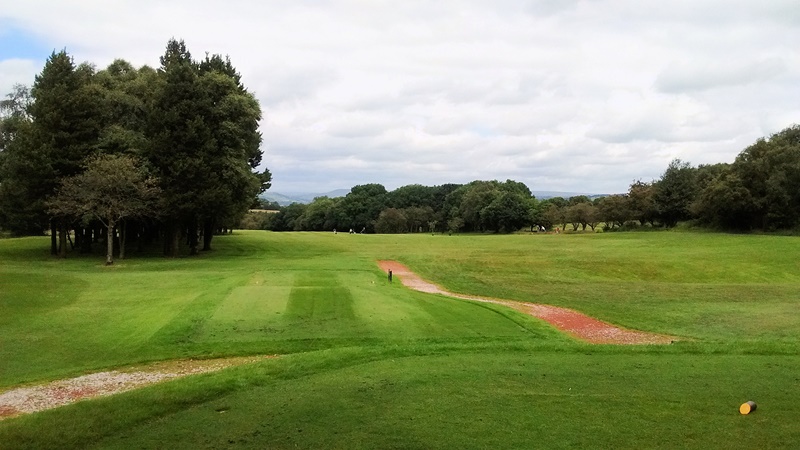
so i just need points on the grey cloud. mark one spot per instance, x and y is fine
(558, 94)
(700, 76)
(278, 85)
(662, 129)
(549, 7)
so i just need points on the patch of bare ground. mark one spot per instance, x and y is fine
(29, 399)
(576, 324)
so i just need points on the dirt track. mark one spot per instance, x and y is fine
(30, 399)
(572, 322)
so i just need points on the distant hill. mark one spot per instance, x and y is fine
(288, 198)
(543, 195)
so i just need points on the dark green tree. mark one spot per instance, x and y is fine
(614, 210)
(770, 170)
(289, 218)
(641, 202)
(477, 196)
(759, 190)
(111, 189)
(64, 129)
(125, 93)
(507, 213)
(418, 217)
(391, 221)
(21, 170)
(727, 203)
(204, 146)
(359, 209)
(412, 195)
(576, 199)
(320, 215)
(581, 214)
(674, 193)
(233, 120)
(553, 215)
(180, 139)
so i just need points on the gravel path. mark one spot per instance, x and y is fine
(30, 399)
(572, 322)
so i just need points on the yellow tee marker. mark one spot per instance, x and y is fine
(748, 407)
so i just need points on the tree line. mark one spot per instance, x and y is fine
(131, 154)
(170, 155)
(758, 191)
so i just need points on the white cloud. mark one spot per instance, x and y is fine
(699, 76)
(14, 71)
(562, 95)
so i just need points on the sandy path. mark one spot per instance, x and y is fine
(576, 324)
(30, 399)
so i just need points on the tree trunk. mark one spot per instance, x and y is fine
(175, 242)
(53, 242)
(86, 240)
(110, 243)
(208, 233)
(172, 238)
(123, 234)
(166, 235)
(78, 239)
(144, 236)
(62, 239)
(193, 240)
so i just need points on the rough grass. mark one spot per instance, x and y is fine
(713, 287)
(374, 365)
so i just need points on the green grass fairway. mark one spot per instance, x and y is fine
(369, 364)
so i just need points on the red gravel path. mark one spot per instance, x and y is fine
(572, 322)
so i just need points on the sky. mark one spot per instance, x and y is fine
(563, 95)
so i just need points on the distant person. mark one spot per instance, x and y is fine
(334, 231)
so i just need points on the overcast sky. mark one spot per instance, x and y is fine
(580, 96)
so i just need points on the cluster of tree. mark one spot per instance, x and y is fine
(758, 191)
(265, 205)
(478, 206)
(165, 154)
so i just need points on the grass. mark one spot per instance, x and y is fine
(370, 364)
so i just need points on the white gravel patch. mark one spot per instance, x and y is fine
(31, 399)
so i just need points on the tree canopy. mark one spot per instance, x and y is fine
(493, 206)
(111, 189)
(190, 125)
